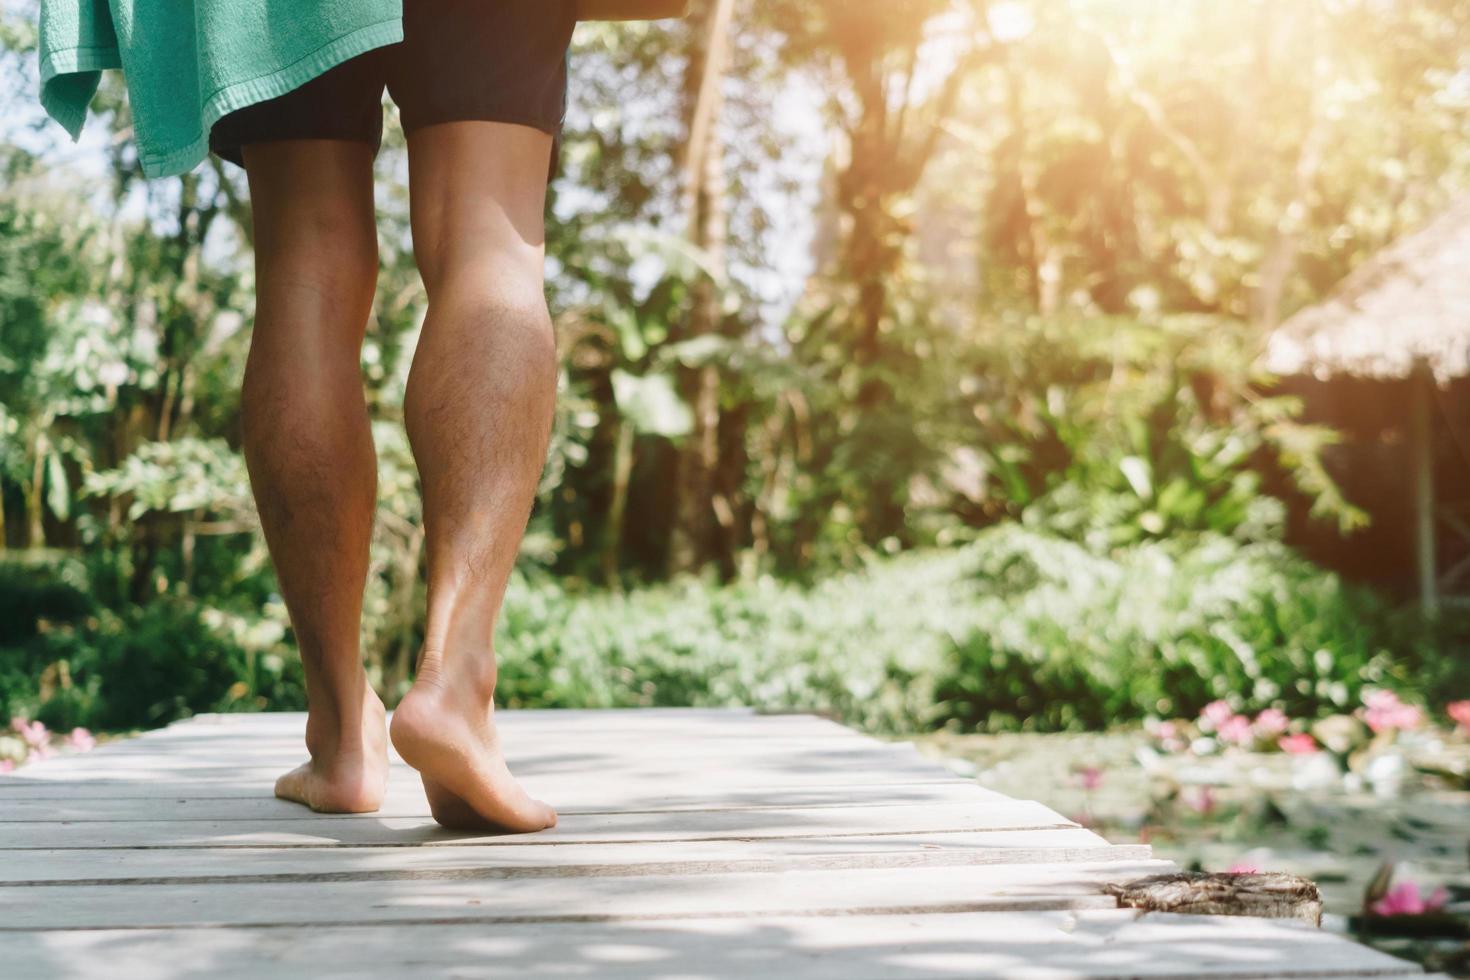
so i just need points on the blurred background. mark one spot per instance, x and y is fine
(946, 366)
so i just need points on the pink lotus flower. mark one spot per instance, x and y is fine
(1299, 744)
(34, 733)
(1091, 777)
(1215, 714)
(81, 740)
(1406, 899)
(1383, 711)
(1271, 722)
(1459, 712)
(1242, 868)
(1236, 730)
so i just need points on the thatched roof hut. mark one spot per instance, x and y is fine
(1406, 307)
(1402, 315)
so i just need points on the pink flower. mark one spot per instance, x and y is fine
(1169, 734)
(1091, 777)
(1215, 714)
(7, 765)
(33, 732)
(1235, 730)
(1242, 868)
(1271, 722)
(1202, 800)
(1298, 744)
(1383, 711)
(1406, 899)
(81, 740)
(1459, 712)
(1161, 729)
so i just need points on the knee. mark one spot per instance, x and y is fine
(326, 266)
(504, 278)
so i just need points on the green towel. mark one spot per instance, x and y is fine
(189, 62)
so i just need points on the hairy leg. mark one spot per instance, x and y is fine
(478, 410)
(308, 445)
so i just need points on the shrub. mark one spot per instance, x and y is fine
(1018, 629)
(868, 646)
(147, 666)
(1071, 639)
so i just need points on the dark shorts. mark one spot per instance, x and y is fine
(495, 60)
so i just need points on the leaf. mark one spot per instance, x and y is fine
(699, 351)
(682, 258)
(651, 405)
(1135, 470)
(625, 322)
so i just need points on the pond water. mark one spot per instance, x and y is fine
(1403, 811)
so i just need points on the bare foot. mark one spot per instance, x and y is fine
(446, 730)
(348, 771)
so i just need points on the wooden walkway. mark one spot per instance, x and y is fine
(692, 843)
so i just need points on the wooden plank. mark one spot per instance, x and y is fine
(246, 749)
(640, 790)
(543, 758)
(693, 842)
(585, 898)
(701, 723)
(804, 767)
(600, 791)
(145, 865)
(640, 782)
(1025, 946)
(408, 801)
(572, 726)
(329, 830)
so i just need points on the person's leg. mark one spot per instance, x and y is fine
(308, 446)
(478, 410)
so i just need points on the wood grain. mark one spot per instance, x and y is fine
(693, 843)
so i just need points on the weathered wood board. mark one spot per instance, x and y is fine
(692, 843)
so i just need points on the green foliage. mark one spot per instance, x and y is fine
(1122, 430)
(1071, 639)
(30, 595)
(865, 644)
(177, 477)
(68, 662)
(146, 667)
(1018, 629)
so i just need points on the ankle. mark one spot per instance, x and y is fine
(342, 715)
(465, 672)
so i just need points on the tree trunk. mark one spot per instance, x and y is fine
(704, 192)
(612, 544)
(35, 526)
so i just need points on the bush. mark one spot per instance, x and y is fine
(1069, 639)
(147, 666)
(868, 646)
(1019, 629)
(39, 592)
